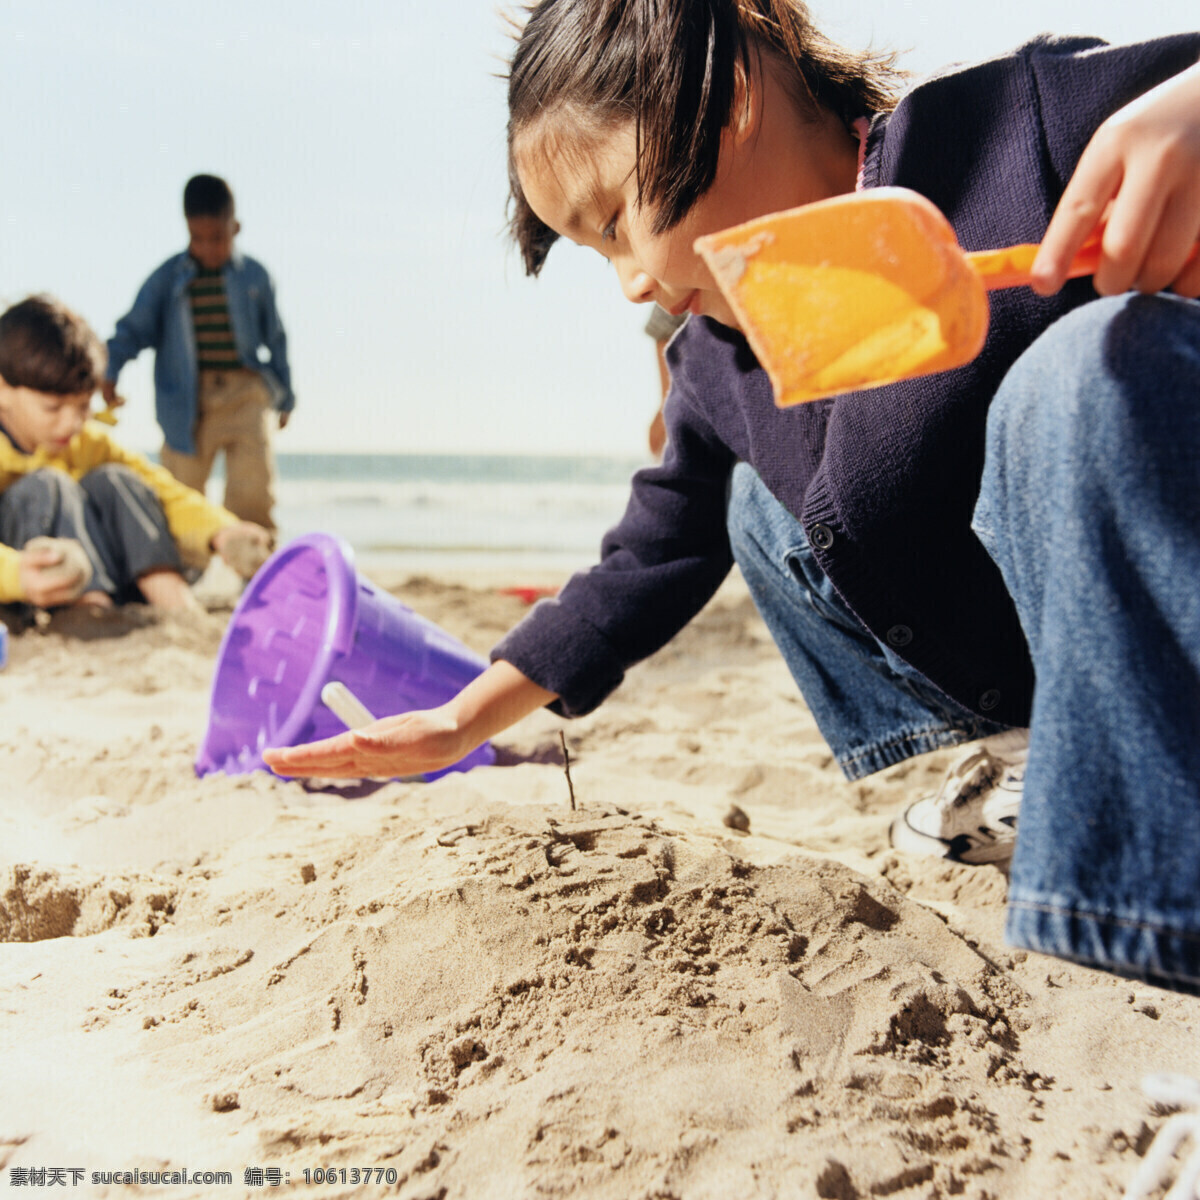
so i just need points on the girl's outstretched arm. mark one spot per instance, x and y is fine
(1142, 169)
(416, 742)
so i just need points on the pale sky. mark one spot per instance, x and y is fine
(364, 141)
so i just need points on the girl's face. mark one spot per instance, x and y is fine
(586, 190)
(593, 201)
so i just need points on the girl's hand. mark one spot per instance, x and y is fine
(416, 742)
(409, 744)
(1142, 169)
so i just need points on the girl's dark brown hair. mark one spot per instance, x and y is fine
(47, 347)
(671, 68)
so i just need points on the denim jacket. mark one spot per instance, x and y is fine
(161, 318)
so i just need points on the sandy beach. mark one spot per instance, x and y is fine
(473, 991)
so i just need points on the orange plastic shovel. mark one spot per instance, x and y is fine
(862, 290)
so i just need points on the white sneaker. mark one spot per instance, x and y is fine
(972, 817)
(1163, 1156)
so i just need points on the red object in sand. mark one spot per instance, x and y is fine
(528, 594)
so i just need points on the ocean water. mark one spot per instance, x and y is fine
(430, 511)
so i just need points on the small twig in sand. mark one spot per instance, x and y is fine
(567, 767)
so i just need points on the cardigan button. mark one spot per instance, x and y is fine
(821, 536)
(989, 700)
(899, 635)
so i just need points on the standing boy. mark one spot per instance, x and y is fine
(209, 314)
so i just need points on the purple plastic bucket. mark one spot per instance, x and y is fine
(308, 619)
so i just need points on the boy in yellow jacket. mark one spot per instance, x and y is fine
(81, 519)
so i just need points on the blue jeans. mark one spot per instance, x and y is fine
(111, 512)
(872, 708)
(1090, 505)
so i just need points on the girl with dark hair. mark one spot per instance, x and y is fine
(1006, 554)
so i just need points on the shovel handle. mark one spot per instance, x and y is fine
(346, 706)
(1011, 267)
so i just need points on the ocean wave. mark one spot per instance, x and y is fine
(461, 496)
(452, 510)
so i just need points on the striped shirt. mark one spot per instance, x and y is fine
(215, 347)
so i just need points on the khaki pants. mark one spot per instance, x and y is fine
(235, 417)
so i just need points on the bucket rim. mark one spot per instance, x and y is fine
(341, 616)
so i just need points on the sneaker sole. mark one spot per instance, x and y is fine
(965, 848)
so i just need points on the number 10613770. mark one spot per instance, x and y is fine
(351, 1175)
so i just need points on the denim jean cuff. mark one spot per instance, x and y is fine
(859, 762)
(1150, 952)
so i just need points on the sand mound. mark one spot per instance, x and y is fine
(507, 1015)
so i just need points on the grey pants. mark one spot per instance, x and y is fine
(111, 512)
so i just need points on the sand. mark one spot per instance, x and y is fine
(472, 986)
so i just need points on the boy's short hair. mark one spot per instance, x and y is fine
(207, 196)
(48, 348)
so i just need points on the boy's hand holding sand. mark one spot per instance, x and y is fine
(54, 571)
(416, 742)
(244, 546)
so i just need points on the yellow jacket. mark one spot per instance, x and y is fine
(191, 519)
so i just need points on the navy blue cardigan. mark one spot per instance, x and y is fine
(891, 473)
